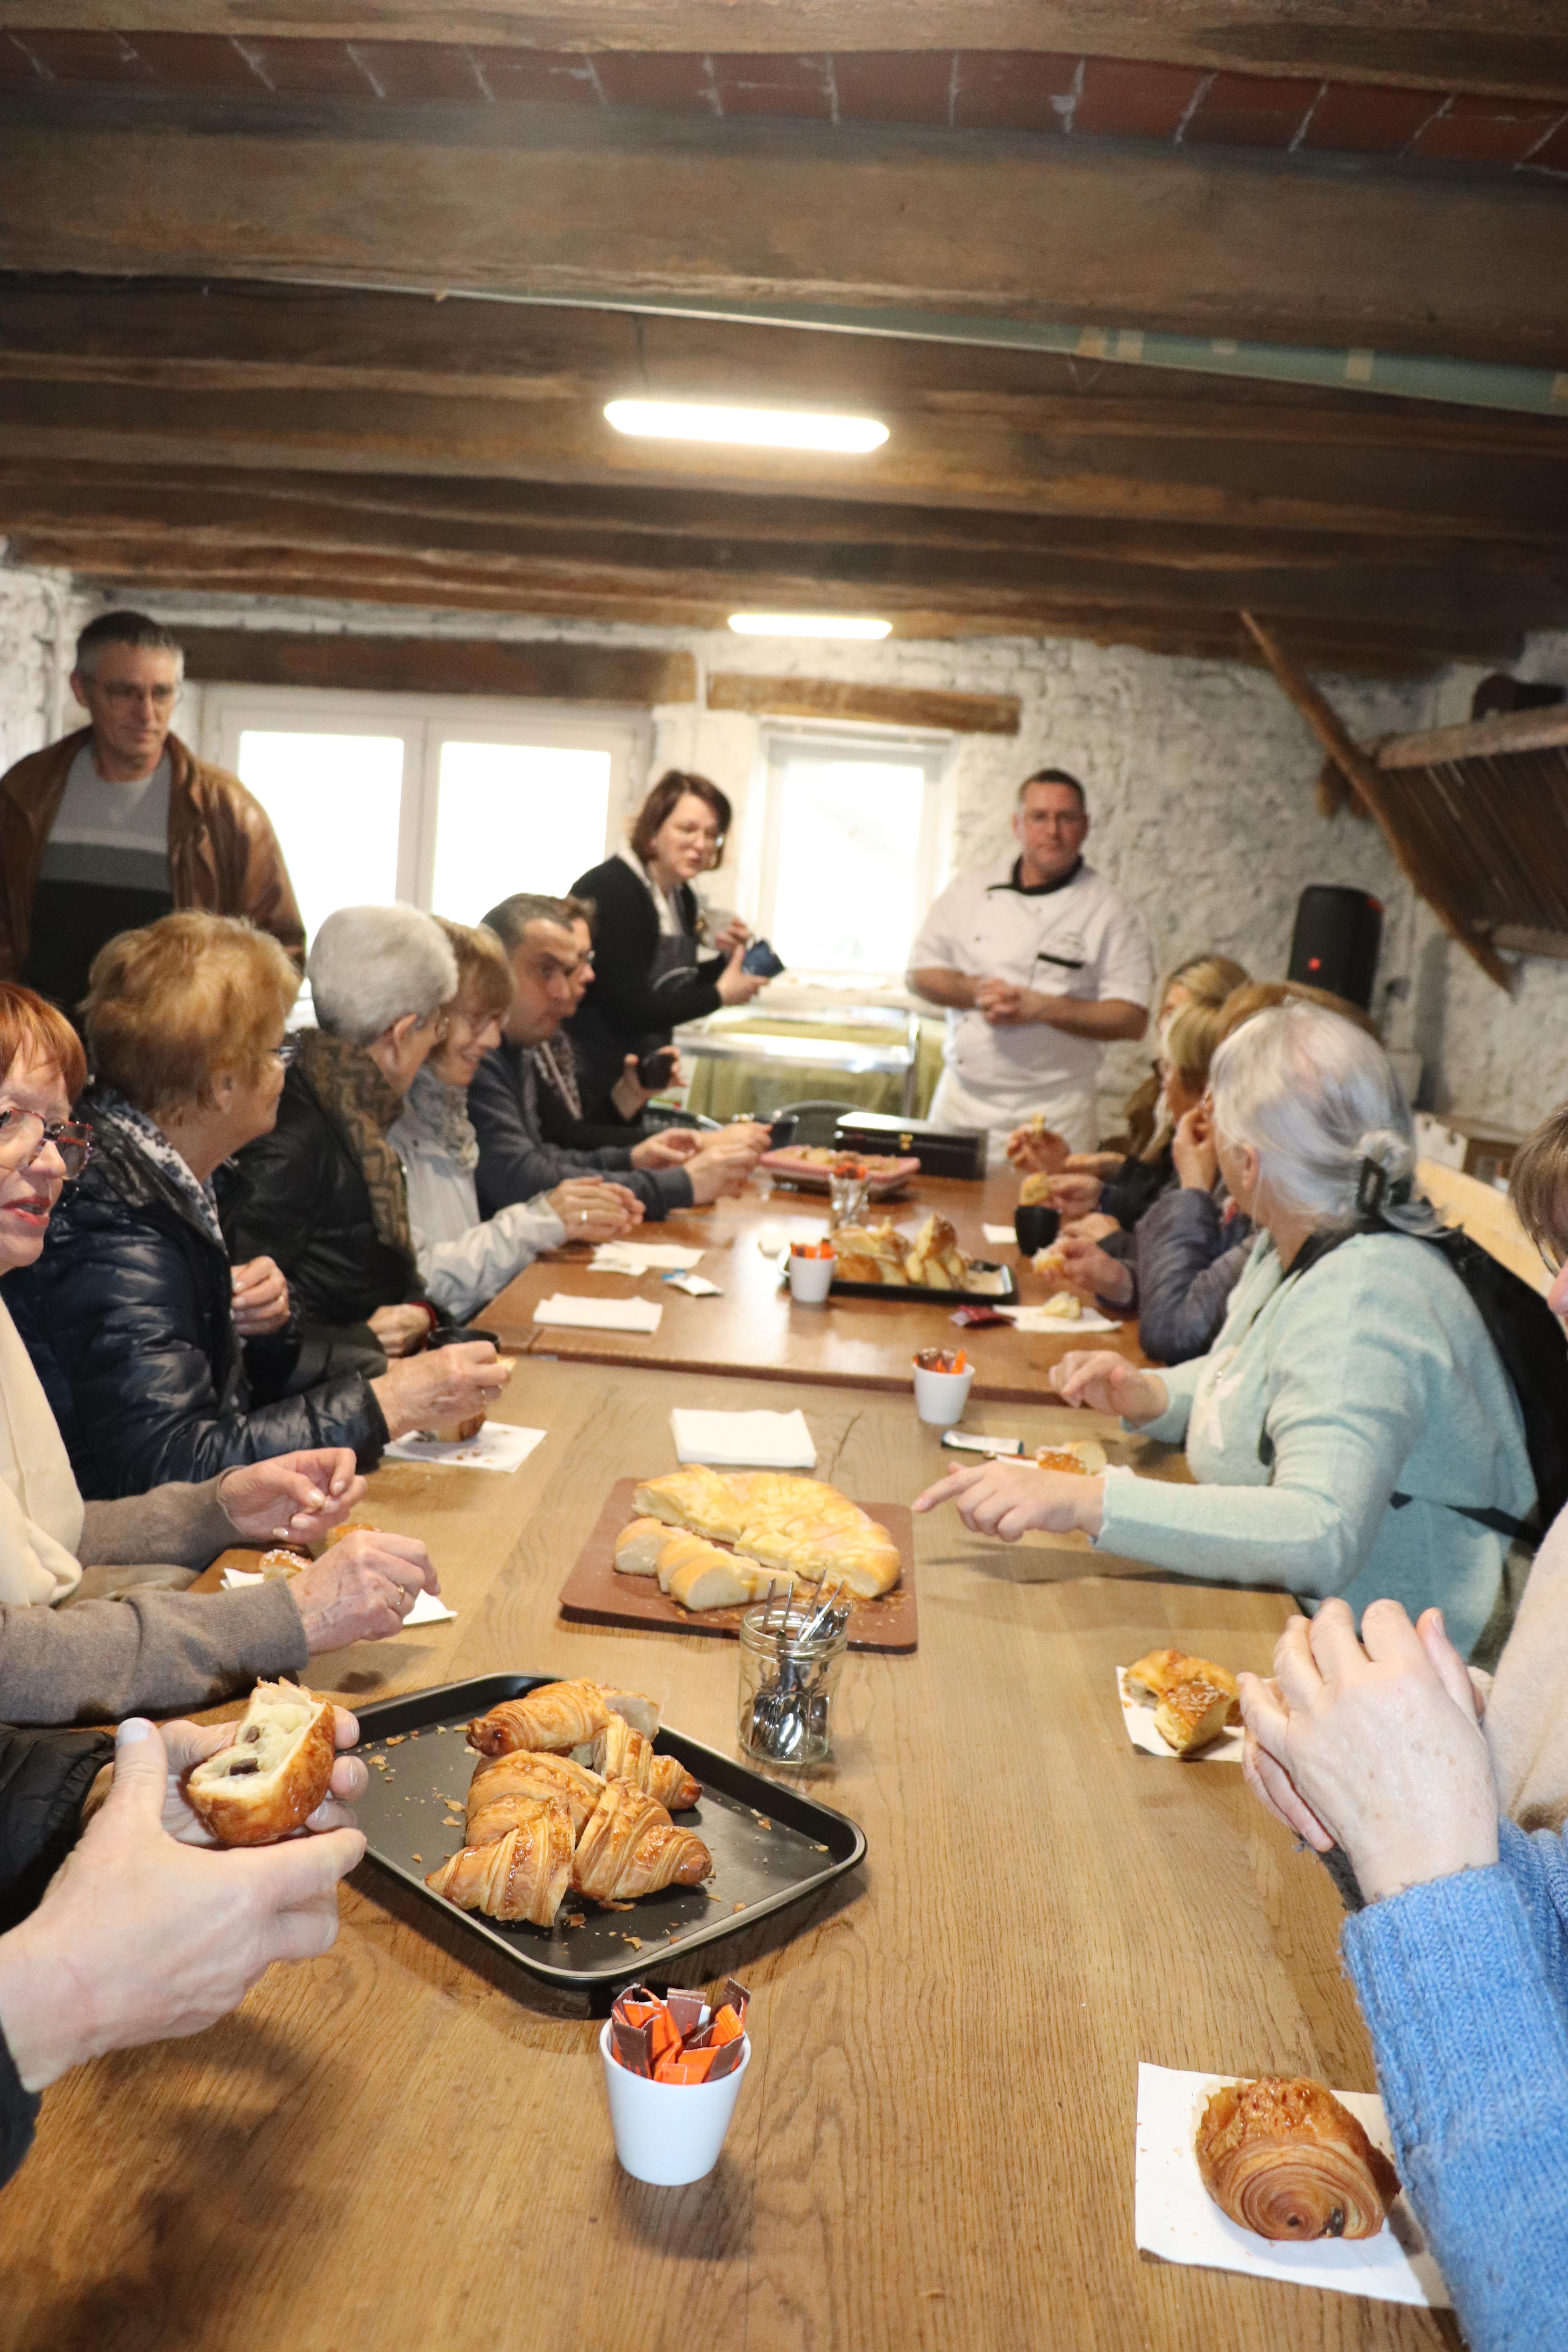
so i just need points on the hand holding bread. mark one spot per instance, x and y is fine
(362, 1588)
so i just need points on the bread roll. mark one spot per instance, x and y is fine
(638, 1545)
(275, 1773)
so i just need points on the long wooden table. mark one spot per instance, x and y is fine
(755, 1331)
(401, 2148)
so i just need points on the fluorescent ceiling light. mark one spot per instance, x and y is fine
(807, 625)
(760, 429)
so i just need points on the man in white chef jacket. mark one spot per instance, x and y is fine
(1040, 964)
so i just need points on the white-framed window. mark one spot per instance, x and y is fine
(447, 803)
(851, 830)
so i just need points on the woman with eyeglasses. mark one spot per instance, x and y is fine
(88, 1625)
(131, 1309)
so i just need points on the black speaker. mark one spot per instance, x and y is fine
(1335, 941)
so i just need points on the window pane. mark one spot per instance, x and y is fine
(844, 891)
(516, 816)
(334, 803)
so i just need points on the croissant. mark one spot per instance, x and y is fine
(521, 1778)
(631, 1847)
(557, 1715)
(621, 1754)
(1285, 2159)
(523, 1876)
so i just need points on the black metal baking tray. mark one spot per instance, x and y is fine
(1004, 1294)
(771, 1846)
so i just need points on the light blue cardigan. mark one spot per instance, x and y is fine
(1372, 1375)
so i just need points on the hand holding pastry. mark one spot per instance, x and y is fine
(1091, 1273)
(293, 1499)
(1035, 1149)
(448, 1384)
(1379, 1740)
(1007, 1499)
(1105, 1383)
(141, 1938)
(186, 1744)
(362, 1588)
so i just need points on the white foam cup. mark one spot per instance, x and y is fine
(668, 2133)
(811, 1279)
(941, 1397)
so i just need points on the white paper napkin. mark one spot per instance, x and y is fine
(496, 1446)
(429, 1607)
(567, 1312)
(1003, 1235)
(643, 1257)
(1139, 1718)
(1175, 2217)
(1035, 1318)
(773, 1441)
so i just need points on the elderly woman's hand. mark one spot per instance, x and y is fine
(592, 1210)
(362, 1590)
(448, 1384)
(1375, 1743)
(293, 1498)
(1038, 1151)
(186, 1744)
(1105, 1383)
(1194, 1154)
(141, 1937)
(260, 1298)
(1006, 1498)
(1088, 1270)
(403, 1330)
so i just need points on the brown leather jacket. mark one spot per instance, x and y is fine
(223, 853)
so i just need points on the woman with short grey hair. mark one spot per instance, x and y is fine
(1353, 1430)
(325, 1187)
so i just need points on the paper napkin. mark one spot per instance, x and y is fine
(428, 1609)
(1139, 1718)
(1035, 1319)
(1175, 2217)
(1003, 1236)
(569, 1313)
(771, 1441)
(496, 1446)
(643, 1257)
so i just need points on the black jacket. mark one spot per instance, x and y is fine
(625, 1012)
(299, 1196)
(44, 1780)
(128, 1317)
(517, 1164)
(557, 1124)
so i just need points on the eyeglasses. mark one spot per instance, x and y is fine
(284, 1054)
(24, 1133)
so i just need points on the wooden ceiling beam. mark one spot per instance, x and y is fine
(1511, 47)
(1280, 486)
(595, 205)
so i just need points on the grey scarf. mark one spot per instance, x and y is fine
(443, 1112)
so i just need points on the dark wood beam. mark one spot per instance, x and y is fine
(1513, 46)
(373, 663)
(1361, 773)
(598, 204)
(885, 705)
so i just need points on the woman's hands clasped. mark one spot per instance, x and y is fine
(592, 1210)
(1374, 1744)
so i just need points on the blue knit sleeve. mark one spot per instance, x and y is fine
(1464, 1985)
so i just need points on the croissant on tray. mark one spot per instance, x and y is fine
(522, 1876)
(505, 1783)
(557, 1716)
(631, 1847)
(1284, 2158)
(621, 1754)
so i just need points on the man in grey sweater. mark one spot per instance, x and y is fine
(150, 1649)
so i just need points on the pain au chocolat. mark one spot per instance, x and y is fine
(1281, 2157)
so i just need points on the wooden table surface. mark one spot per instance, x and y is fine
(402, 2148)
(756, 1331)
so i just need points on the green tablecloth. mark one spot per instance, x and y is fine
(723, 1089)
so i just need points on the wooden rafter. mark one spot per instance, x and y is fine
(1363, 774)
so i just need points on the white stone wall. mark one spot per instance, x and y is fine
(31, 683)
(1200, 776)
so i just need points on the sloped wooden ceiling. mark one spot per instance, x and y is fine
(180, 408)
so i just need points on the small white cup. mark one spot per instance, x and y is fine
(668, 2133)
(811, 1279)
(941, 1397)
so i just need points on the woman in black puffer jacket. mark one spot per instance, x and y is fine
(130, 1313)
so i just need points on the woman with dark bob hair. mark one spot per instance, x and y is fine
(649, 972)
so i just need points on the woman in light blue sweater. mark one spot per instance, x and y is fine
(1461, 1957)
(1352, 1431)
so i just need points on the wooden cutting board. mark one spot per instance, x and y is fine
(594, 1594)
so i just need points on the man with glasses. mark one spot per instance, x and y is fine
(120, 823)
